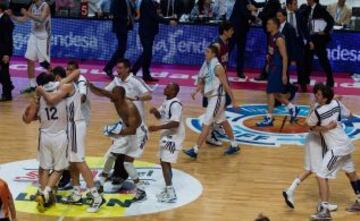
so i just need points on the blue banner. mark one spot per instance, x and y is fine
(182, 44)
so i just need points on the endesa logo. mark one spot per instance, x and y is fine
(343, 54)
(243, 122)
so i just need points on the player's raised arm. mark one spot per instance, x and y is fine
(99, 91)
(55, 97)
(18, 19)
(45, 13)
(71, 77)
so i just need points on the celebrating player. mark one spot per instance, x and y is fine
(133, 134)
(171, 137)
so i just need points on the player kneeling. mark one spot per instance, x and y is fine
(172, 136)
(52, 140)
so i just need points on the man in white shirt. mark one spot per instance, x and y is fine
(339, 149)
(171, 137)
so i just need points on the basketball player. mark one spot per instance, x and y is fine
(138, 92)
(171, 138)
(277, 63)
(7, 205)
(52, 150)
(38, 46)
(226, 31)
(73, 75)
(133, 135)
(213, 84)
(76, 137)
(339, 149)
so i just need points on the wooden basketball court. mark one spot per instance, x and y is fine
(236, 187)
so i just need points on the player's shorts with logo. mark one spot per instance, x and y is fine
(52, 153)
(38, 49)
(333, 163)
(170, 147)
(133, 145)
(215, 111)
(77, 136)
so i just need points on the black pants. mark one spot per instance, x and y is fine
(320, 51)
(144, 61)
(5, 80)
(239, 39)
(299, 59)
(119, 169)
(120, 51)
(4, 219)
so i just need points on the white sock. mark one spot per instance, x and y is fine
(170, 189)
(32, 82)
(94, 192)
(290, 106)
(269, 115)
(233, 143)
(196, 148)
(46, 193)
(108, 165)
(77, 189)
(294, 184)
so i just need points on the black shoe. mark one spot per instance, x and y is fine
(5, 99)
(292, 90)
(150, 79)
(261, 77)
(277, 103)
(64, 183)
(242, 75)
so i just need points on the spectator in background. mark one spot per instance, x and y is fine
(170, 8)
(220, 9)
(203, 8)
(241, 18)
(7, 206)
(340, 12)
(122, 22)
(269, 11)
(6, 51)
(294, 18)
(317, 39)
(148, 29)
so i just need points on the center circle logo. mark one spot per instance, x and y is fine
(22, 178)
(243, 121)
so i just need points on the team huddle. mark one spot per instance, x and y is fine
(63, 109)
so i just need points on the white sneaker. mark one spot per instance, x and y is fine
(167, 198)
(331, 207)
(289, 198)
(160, 195)
(96, 204)
(73, 198)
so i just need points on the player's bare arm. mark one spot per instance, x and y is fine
(170, 125)
(155, 112)
(220, 73)
(73, 76)
(42, 18)
(18, 19)
(55, 97)
(31, 111)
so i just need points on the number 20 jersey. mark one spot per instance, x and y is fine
(53, 119)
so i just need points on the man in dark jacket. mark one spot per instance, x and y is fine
(123, 12)
(319, 27)
(148, 29)
(241, 18)
(6, 50)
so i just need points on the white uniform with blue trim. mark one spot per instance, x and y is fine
(76, 126)
(38, 46)
(336, 145)
(86, 106)
(171, 140)
(214, 92)
(53, 142)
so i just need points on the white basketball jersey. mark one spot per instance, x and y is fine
(134, 87)
(171, 110)
(74, 106)
(53, 119)
(40, 29)
(335, 139)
